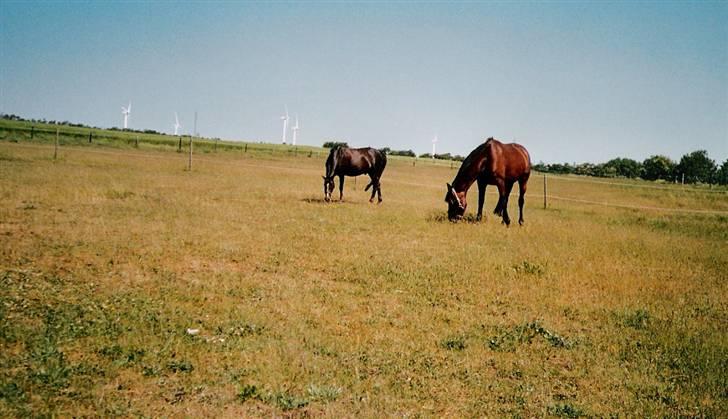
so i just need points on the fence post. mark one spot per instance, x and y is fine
(32, 132)
(189, 161)
(55, 149)
(136, 142)
(246, 148)
(179, 147)
(215, 146)
(90, 133)
(310, 152)
(544, 191)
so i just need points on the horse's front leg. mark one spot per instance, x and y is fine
(341, 187)
(481, 198)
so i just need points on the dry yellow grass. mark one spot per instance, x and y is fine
(347, 309)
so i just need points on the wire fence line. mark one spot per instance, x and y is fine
(676, 188)
(491, 191)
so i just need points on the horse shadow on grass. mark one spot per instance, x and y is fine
(321, 201)
(441, 217)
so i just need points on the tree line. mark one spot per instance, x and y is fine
(694, 167)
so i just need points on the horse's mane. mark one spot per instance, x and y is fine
(333, 160)
(464, 176)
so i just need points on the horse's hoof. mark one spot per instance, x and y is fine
(520, 223)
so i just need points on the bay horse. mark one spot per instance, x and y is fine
(491, 163)
(345, 161)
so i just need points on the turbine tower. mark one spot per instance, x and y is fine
(434, 143)
(295, 129)
(126, 112)
(284, 118)
(176, 124)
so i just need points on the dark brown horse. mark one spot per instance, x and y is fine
(491, 163)
(345, 161)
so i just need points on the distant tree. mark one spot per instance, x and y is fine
(722, 174)
(585, 169)
(565, 168)
(406, 153)
(446, 156)
(426, 156)
(658, 167)
(458, 157)
(625, 167)
(697, 167)
(385, 150)
(540, 167)
(332, 144)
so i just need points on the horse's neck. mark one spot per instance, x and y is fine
(466, 176)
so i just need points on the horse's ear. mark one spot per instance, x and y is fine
(323, 177)
(449, 187)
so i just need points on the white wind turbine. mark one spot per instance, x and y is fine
(295, 129)
(177, 126)
(284, 118)
(434, 143)
(126, 112)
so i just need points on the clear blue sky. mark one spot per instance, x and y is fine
(571, 81)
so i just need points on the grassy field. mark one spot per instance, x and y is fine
(130, 286)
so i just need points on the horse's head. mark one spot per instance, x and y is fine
(455, 204)
(328, 187)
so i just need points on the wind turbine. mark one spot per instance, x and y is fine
(295, 129)
(126, 112)
(434, 142)
(284, 118)
(177, 126)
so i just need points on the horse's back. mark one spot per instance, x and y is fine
(510, 161)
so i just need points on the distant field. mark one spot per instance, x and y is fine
(295, 307)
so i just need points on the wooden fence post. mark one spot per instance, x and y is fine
(55, 149)
(136, 142)
(544, 191)
(215, 146)
(246, 148)
(90, 133)
(189, 161)
(32, 132)
(179, 147)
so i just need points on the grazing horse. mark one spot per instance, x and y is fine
(491, 163)
(345, 161)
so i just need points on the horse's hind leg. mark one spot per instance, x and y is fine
(504, 189)
(379, 192)
(501, 193)
(522, 183)
(341, 187)
(373, 182)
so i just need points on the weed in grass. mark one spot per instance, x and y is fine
(638, 319)
(508, 339)
(454, 343)
(180, 366)
(323, 393)
(247, 392)
(566, 411)
(530, 268)
(114, 194)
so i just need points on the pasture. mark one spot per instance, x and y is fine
(130, 286)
